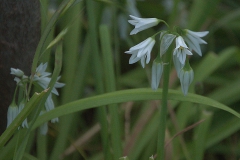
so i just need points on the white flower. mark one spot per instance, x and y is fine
(194, 40)
(142, 23)
(166, 41)
(40, 71)
(181, 50)
(178, 65)
(21, 106)
(54, 120)
(17, 72)
(186, 75)
(141, 51)
(151, 158)
(157, 70)
(41, 77)
(49, 105)
(12, 113)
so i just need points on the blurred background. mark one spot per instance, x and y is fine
(194, 132)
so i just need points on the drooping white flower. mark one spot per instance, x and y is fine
(194, 40)
(142, 23)
(181, 50)
(12, 113)
(186, 76)
(21, 106)
(17, 72)
(49, 105)
(178, 65)
(157, 70)
(141, 51)
(166, 41)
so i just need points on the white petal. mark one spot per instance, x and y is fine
(180, 42)
(187, 52)
(198, 34)
(178, 65)
(49, 105)
(166, 41)
(141, 45)
(157, 70)
(133, 59)
(143, 61)
(194, 46)
(135, 18)
(133, 22)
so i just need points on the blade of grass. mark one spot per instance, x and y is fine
(102, 113)
(111, 86)
(125, 96)
(200, 134)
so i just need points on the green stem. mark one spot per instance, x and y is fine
(163, 110)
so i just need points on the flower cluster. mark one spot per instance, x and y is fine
(40, 79)
(186, 42)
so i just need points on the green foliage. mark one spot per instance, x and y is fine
(102, 89)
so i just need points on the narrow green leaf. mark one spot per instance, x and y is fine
(36, 98)
(125, 96)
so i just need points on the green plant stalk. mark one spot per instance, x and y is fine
(163, 109)
(109, 76)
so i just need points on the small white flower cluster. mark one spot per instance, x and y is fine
(142, 51)
(41, 78)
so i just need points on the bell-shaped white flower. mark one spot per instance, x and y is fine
(186, 76)
(17, 72)
(12, 113)
(49, 105)
(141, 51)
(142, 23)
(181, 50)
(194, 40)
(178, 65)
(166, 41)
(157, 70)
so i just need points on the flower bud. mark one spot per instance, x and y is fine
(12, 113)
(17, 72)
(157, 70)
(186, 76)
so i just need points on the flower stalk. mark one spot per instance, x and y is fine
(163, 108)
